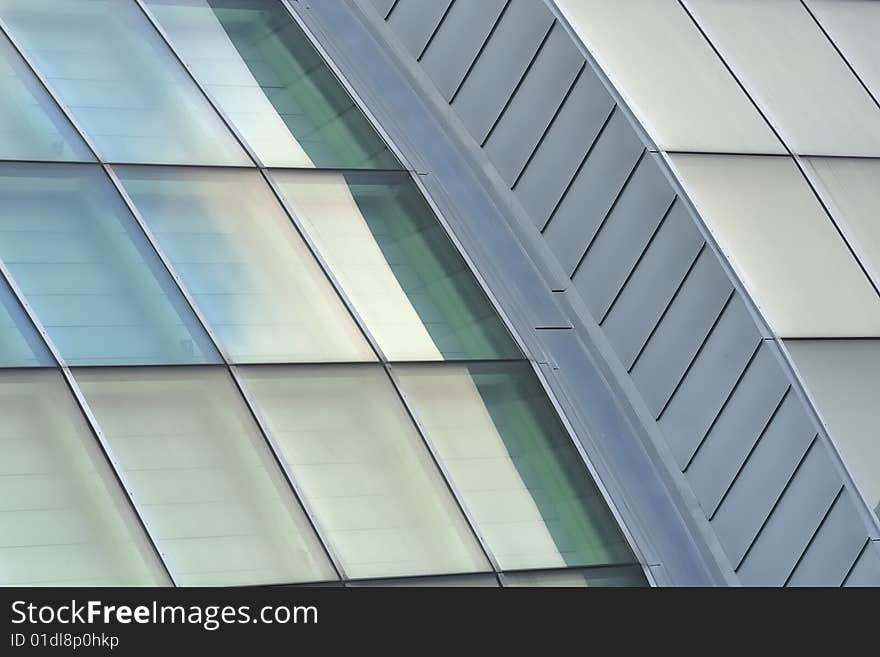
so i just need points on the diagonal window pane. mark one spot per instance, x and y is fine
(20, 344)
(121, 83)
(32, 127)
(367, 475)
(88, 271)
(515, 465)
(202, 477)
(396, 263)
(260, 68)
(246, 266)
(64, 519)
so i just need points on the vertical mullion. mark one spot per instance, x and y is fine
(89, 417)
(48, 88)
(227, 362)
(441, 467)
(207, 96)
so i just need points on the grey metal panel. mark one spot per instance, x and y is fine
(501, 65)
(548, 174)
(593, 190)
(414, 21)
(866, 572)
(793, 522)
(681, 331)
(653, 282)
(623, 237)
(735, 432)
(383, 6)
(458, 40)
(763, 478)
(594, 401)
(835, 547)
(711, 380)
(533, 106)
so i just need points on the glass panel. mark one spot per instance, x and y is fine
(31, 125)
(850, 188)
(782, 243)
(202, 477)
(366, 473)
(397, 265)
(842, 378)
(89, 273)
(20, 344)
(112, 71)
(454, 582)
(245, 265)
(262, 71)
(64, 519)
(658, 59)
(516, 467)
(626, 576)
(793, 72)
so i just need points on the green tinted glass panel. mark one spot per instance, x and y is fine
(202, 476)
(20, 344)
(516, 467)
(64, 519)
(120, 82)
(89, 273)
(396, 263)
(368, 477)
(32, 127)
(620, 576)
(245, 265)
(260, 68)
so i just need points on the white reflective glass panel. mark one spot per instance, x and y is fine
(64, 518)
(202, 477)
(364, 469)
(245, 265)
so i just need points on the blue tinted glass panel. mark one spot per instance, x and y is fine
(88, 271)
(121, 83)
(32, 127)
(245, 265)
(20, 344)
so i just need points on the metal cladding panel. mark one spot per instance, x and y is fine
(682, 330)
(533, 106)
(736, 429)
(592, 193)
(583, 116)
(590, 394)
(501, 65)
(623, 236)
(383, 6)
(712, 377)
(653, 282)
(414, 21)
(834, 548)
(866, 571)
(458, 41)
(712, 465)
(762, 479)
(793, 522)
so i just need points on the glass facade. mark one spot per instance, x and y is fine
(237, 346)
